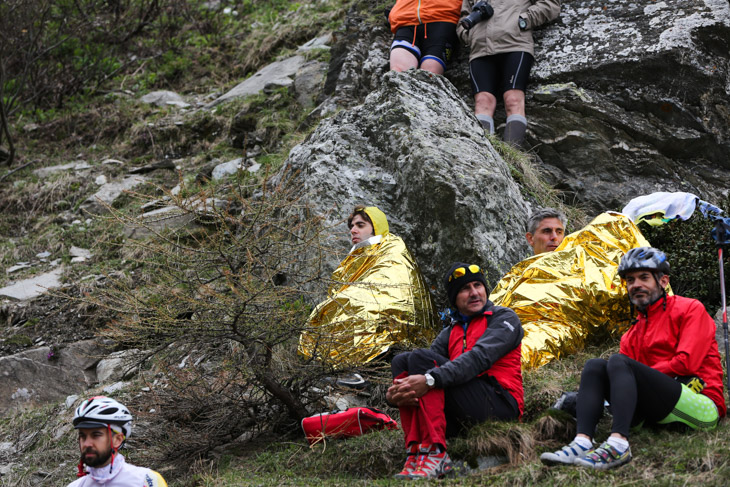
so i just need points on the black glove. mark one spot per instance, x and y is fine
(692, 381)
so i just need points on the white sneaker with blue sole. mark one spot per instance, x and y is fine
(565, 456)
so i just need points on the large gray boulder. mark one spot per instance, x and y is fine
(625, 98)
(654, 107)
(415, 150)
(592, 38)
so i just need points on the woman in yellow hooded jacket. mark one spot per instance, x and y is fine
(377, 298)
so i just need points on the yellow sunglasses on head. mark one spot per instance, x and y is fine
(461, 271)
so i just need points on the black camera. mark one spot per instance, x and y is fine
(481, 11)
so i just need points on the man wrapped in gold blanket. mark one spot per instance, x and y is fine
(564, 296)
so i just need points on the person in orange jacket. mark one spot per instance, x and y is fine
(425, 34)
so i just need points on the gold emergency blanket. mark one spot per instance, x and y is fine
(562, 297)
(378, 298)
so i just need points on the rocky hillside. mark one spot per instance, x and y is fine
(187, 146)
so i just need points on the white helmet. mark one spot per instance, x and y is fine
(100, 411)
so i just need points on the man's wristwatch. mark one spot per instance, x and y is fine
(430, 381)
(522, 23)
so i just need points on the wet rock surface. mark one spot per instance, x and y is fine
(414, 150)
(654, 110)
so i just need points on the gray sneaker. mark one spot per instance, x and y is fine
(565, 456)
(604, 457)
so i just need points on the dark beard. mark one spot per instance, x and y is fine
(652, 298)
(99, 460)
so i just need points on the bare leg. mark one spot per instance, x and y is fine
(484, 105)
(516, 127)
(402, 59)
(514, 102)
(432, 65)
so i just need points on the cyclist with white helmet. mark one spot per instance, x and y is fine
(103, 425)
(668, 369)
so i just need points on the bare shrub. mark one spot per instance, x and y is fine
(221, 302)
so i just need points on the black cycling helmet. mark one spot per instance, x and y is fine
(643, 258)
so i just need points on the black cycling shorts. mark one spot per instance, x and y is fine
(500, 72)
(435, 40)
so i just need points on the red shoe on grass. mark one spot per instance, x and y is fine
(431, 465)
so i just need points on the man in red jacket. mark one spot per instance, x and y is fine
(668, 369)
(471, 373)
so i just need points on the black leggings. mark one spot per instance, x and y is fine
(475, 401)
(636, 392)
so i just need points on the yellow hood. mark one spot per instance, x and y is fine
(380, 222)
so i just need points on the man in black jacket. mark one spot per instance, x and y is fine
(471, 373)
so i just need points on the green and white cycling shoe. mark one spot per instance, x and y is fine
(604, 457)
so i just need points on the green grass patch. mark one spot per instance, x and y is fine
(661, 457)
(20, 340)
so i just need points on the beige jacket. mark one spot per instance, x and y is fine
(501, 33)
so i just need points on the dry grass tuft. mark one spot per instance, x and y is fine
(555, 426)
(514, 441)
(527, 172)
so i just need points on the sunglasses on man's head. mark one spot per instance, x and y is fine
(461, 271)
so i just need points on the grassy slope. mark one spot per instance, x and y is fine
(661, 456)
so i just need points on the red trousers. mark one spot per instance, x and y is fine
(445, 412)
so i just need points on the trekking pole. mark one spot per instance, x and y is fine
(720, 235)
(724, 319)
